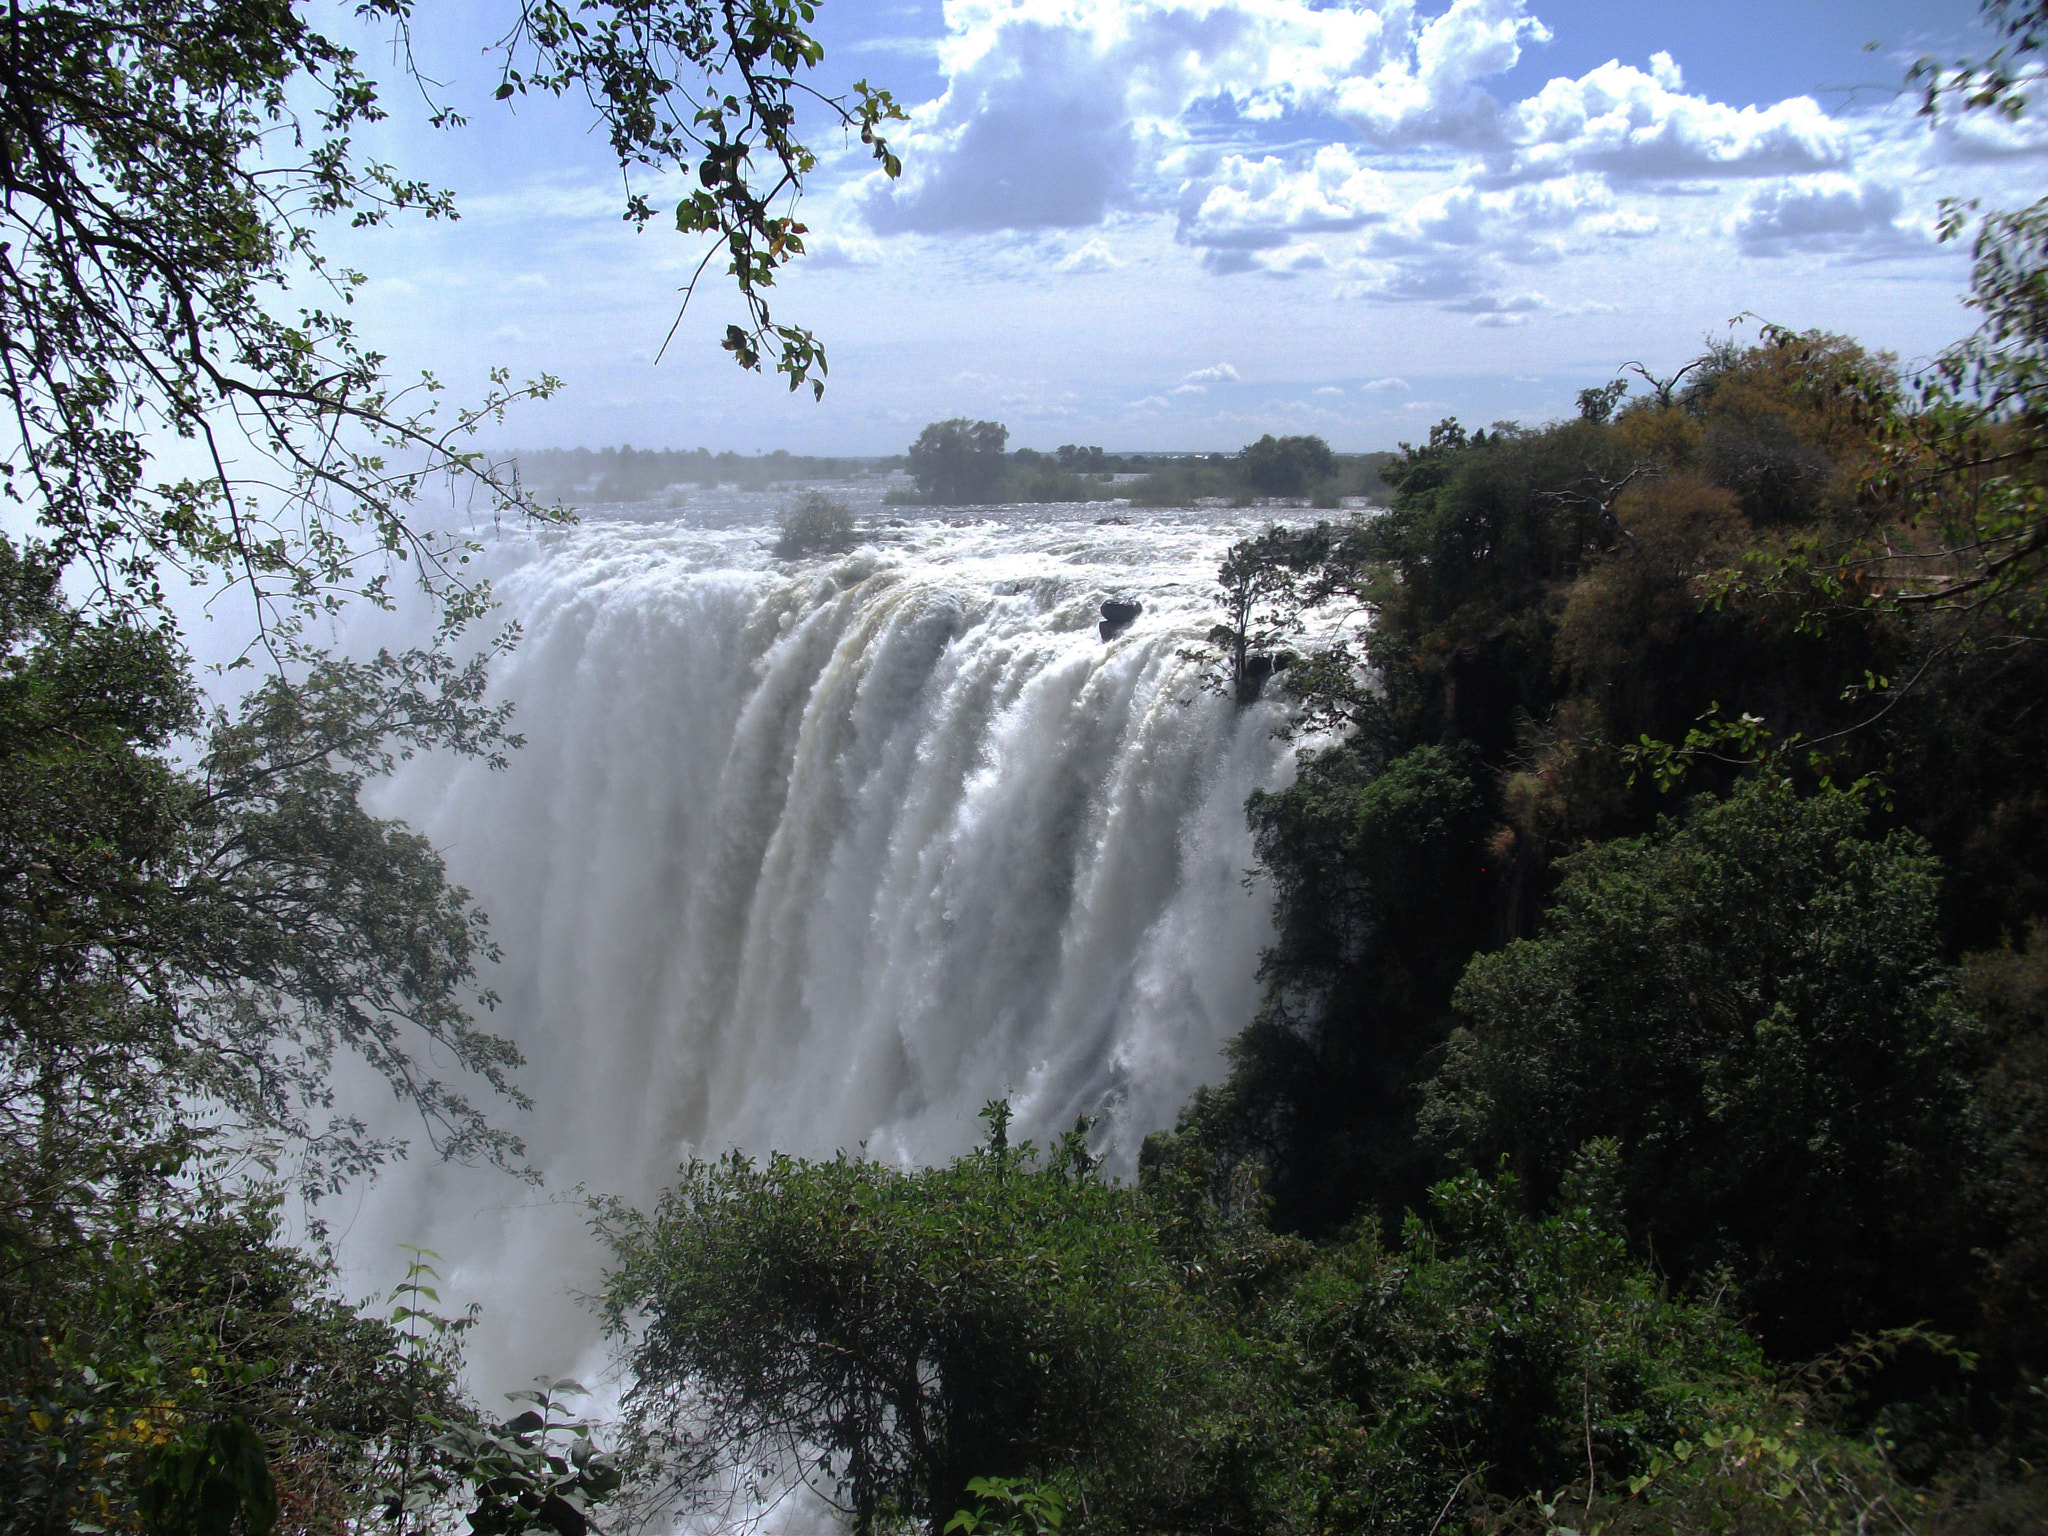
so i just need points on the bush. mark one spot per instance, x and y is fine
(1751, 1004)
(816, 525)
(1492, 1357)
(897, 1333)
(959, 462)
(1286, 466)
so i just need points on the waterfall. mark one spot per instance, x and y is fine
(827, 854)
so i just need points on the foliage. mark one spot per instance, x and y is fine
(170, 166)
(815, 524)
(188, 948)
(1751, 1005)
(633, 61)
(888, 1335)
(1257, 579)
(536, 1471)
(1491, 1356)
(1010, 1507)
(1382, 893)
(170, 1366)
(959, 462)
(1286, 466)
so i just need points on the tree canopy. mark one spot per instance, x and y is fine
(167, 165)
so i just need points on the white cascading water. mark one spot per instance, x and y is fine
(822, 855)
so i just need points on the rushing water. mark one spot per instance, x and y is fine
(826, 854)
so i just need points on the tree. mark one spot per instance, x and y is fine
(1286, 466)
(816, 524)
(184, 950)
(1751, 1006)
(167, 164)
(890, 1334)
(1259, 579)
(959, 462)
(1494, 1354)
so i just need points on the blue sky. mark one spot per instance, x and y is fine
(1177, 224)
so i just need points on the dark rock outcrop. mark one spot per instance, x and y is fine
(1118, 614)
(1258, 666)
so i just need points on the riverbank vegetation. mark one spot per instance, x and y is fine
(963, 463)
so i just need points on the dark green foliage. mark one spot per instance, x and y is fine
(1382, 894)
(959, 462)
(191, 947)
(1286, 466)
(893, 1333)
(1751, 1007)
(1491, 1354)
(539, 1471)
(187, 946)
(208, 1478)
(180, 1366)
(815, 525)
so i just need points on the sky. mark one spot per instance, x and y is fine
(1179, 224)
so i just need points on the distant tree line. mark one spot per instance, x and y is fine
(640, 474)
(960, 462)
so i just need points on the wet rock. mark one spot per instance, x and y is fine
(1258, 666)
(1118, 614)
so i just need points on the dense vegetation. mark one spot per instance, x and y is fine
(962, 463)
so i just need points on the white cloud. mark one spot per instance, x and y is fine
(1215, 373)
(1430, 91)
(1386, 387)
(833, 251)
(1523, 304)
(1328, 389)
(1052, 106)
(1255, 204)
(1634, 125)
(1832, 214)
(1988, 136)
(1095, 256)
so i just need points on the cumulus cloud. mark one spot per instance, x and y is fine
(1095, 256)
(1389, 386)
(1256, 204)
(1034, 135)
(1630, 124)
(1989, 136)
(1431, 91)
(1049, 102)
(833, 251)
(1215, 373)
(1059, 113)
(1831, 214)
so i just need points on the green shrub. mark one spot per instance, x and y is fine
(815, 525)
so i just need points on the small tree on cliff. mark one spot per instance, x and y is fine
(959, 461)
